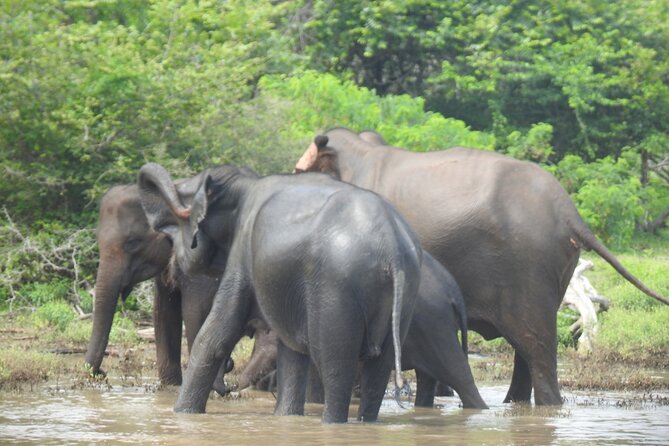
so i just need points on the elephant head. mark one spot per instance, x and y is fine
(130, 252)
(318, 157)
(200, 245)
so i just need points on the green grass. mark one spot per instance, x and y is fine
(635, 335)
(636, 327)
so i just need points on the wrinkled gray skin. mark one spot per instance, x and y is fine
(431, 347)
(131, 252)
(332, 269)
(505, 229)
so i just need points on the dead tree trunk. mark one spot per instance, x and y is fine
(582, 296)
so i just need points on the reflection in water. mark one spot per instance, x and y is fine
(140, 416)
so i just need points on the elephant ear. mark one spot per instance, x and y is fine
(309, 160)
(198, 209)
(160, 200)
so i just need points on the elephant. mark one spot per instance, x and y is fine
(431, 346)
(261, 367)
(506, 229)
(131, 252)
(333, 269)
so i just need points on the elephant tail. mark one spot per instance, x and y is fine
(399, 289)
(590, 242)
(461, 312)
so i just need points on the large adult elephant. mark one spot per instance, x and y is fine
(505, 229)
(333, 270)
(131, 252)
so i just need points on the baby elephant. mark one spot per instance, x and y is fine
(431, 346)
(333, 269)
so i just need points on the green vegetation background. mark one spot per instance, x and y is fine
(91, 90)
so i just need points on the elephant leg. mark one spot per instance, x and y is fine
(314, 386)
(425, 389)
(452, 368)
(219, 383)
(521, 381)
(291, 368)
(543, 369)
(535, 362)
(197, 294)
(338, 377)
(444, 390)
(214, 343)
(167, 319)
(374, 381)
(336, 361)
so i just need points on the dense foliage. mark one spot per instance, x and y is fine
(92, 89)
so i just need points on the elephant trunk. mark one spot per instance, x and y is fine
(108, 287)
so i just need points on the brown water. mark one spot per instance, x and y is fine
(142, 415)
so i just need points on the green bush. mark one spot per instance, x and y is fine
(606, 193)
(123, 331)
(77, 332)
(41, 293)
(57, 314)
(321, 101)
(535, 145)
(46, 263)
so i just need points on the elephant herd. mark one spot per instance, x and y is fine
(367, 258)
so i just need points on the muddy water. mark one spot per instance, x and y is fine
(142, 415)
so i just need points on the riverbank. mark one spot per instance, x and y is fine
(33, 356)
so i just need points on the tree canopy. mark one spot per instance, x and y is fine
(92, 89)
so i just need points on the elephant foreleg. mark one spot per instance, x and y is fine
(167, 319)
(213, 344)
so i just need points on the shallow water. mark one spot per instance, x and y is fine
(142, 415)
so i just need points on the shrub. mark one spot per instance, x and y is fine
(77, 332)
(535, 145)
(606, 194)
(123, 331)
(41, 293)
(57, 314)
(44, 264)
(321, 101)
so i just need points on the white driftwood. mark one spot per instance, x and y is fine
(147, 334)
(581, 296)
